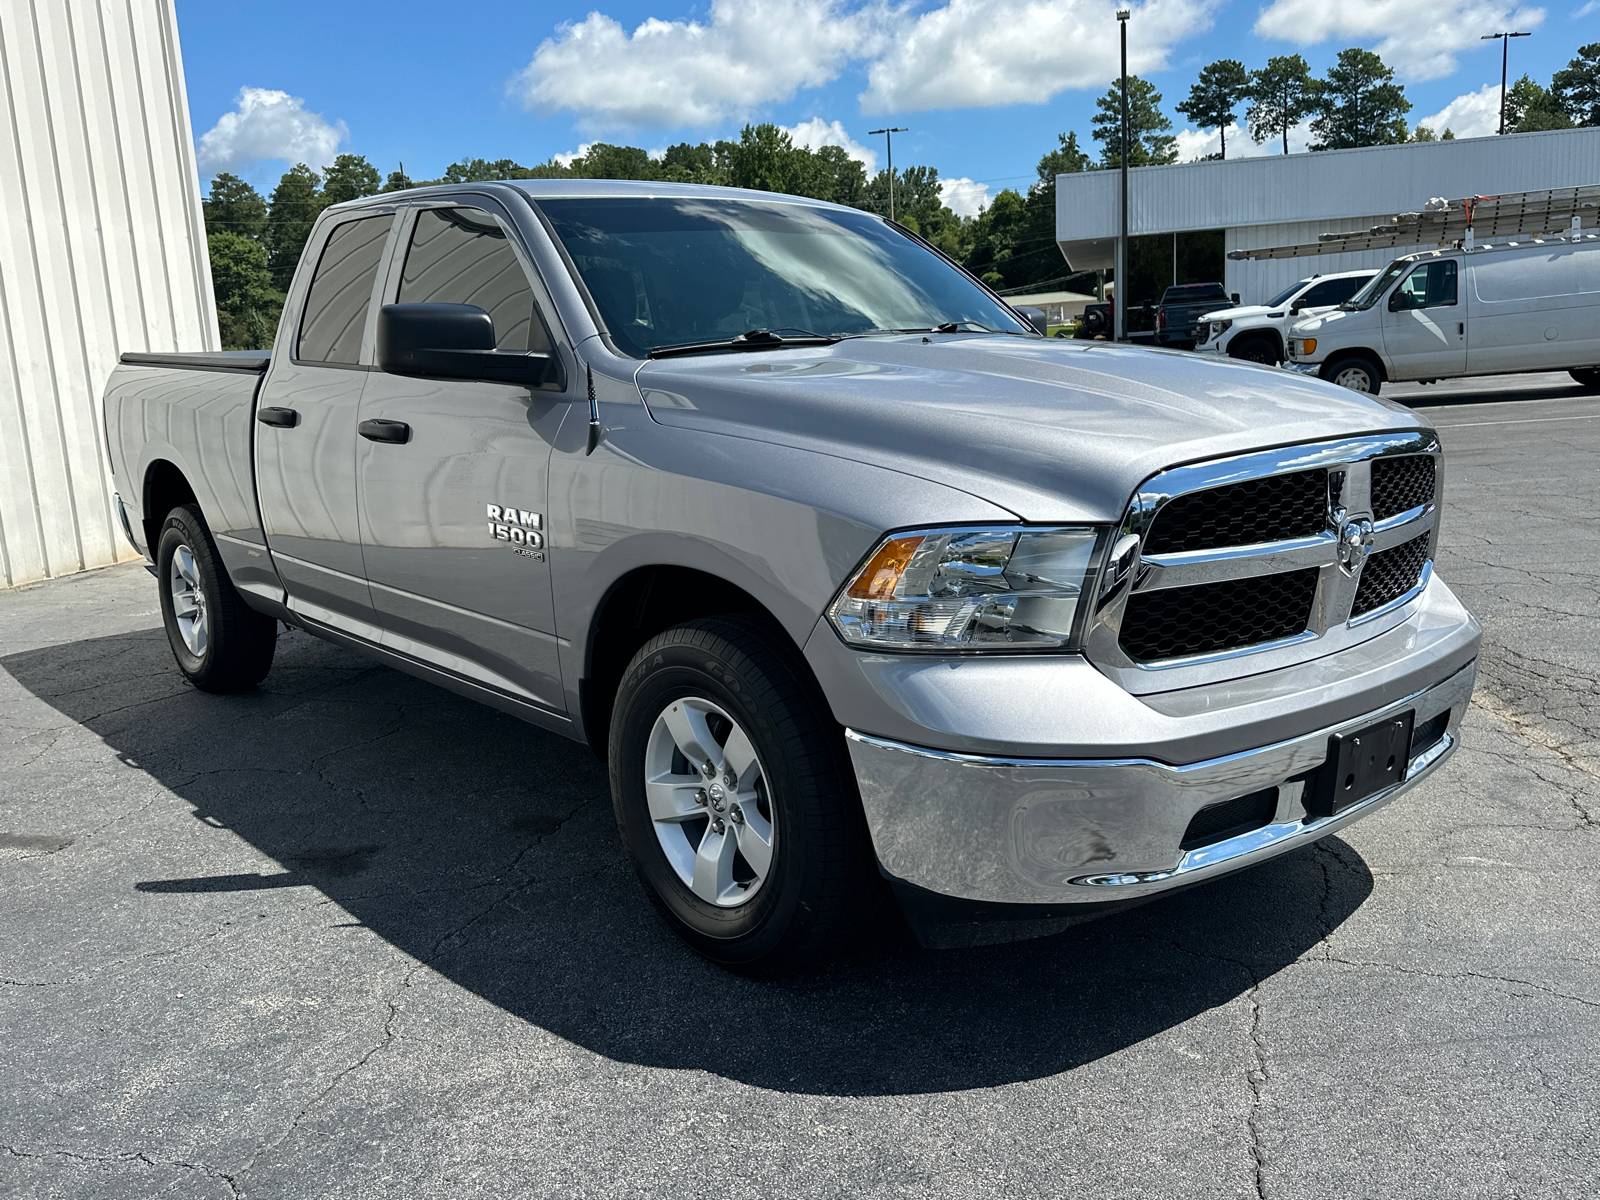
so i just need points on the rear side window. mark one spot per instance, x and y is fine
(462, 256)
(1333, 291)
(341, 291)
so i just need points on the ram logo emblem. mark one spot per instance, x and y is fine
(516, 525)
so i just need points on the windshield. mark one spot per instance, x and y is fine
(666, 271)
(1368, 296)
(1283, 296)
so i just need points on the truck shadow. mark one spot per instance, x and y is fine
(484, 849)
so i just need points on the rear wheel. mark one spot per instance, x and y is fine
(1254, 349)
(735, 798)
(220, 642)
(1588, 378)
(1355, 372)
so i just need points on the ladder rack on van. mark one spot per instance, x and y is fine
(1558, 212)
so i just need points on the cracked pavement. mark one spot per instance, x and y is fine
(349, 935)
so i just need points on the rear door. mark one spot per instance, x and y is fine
(453, 519)
(1425, 323)
(305, 465)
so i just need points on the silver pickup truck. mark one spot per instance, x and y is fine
(849, 575)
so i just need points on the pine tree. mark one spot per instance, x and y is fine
(1150, 140)
(1215, 95)
(291, 212)
(1359, 104)
(1284, 94)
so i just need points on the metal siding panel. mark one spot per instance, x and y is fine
(103, 251)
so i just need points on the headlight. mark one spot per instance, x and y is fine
(1218, 328)
(970, 589)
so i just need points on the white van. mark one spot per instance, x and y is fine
(1527, 305)
(1257, 332)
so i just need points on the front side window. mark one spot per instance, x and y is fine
(1333, 291)
(462, 256)
(341, 291)
(1373, 292)
(1431, 285)
(675, 271)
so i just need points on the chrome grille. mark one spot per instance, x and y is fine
(1177, 622)
(1270, 558)
(1390, 575)
(1401, 484)
(1258, 510)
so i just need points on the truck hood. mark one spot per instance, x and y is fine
(1052, 430)
(1323, 319)
(1240, 312)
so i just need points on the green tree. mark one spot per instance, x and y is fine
(397, 181)
(687, 163)
(1283, 94)
(247, 303)
(842, 179)
(1149, 129)
(1530, 108)
(1360, 104)
(291, 212)
(234, 206)
(1215, 95)
(1576, 87)
(350, 178)
(605, 161)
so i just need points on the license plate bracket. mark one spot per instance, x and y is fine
(1361, 764)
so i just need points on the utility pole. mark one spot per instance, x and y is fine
(1120, 302)
(1505, 49)
(889, 138)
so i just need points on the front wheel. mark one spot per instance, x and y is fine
(220, 642)
(735, 798)
(1354, 372)
(1588, 378)
(1256, 350)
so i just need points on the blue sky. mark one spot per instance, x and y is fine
(984, 85)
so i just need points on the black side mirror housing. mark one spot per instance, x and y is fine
(453, 341)
(1235, 298)
(1035, 317)
(1294, 309)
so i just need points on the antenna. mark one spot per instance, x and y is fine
(594, 416)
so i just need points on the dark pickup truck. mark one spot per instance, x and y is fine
(1178, 315)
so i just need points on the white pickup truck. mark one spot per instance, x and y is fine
(1258, 332)
(1527, 305)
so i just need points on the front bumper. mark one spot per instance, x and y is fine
(1304, 368)
(1085, 804)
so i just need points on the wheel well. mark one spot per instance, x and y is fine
(640, 605)
(1366, 356)
(1270, 336)
(164, 489)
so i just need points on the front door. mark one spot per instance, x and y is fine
(1425, 324)
(453, 518)
(305, 471)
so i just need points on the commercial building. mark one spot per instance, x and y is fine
(102, 250)
(1184, 220)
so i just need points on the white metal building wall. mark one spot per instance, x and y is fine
(102, 249)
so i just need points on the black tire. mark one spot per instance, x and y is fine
(821, 886)
(1255, 349)
(1094, 321)
(1347, 369)
(1588, 378)
(237, 643)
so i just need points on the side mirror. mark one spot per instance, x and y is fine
(1035, 317)
(453, 341)
(1294, 309)
(1235, 298)
(1400, 300)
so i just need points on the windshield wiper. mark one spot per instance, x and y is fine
(751, 339)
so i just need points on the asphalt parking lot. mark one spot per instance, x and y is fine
(349, 935)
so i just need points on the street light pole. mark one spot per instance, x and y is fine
(1120, 302)
(889, 138)
(1505, 49)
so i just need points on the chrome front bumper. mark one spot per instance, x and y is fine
(1303, 368)
(1060, 831)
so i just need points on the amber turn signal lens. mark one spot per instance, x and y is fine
(1308, 346)
(877, 579)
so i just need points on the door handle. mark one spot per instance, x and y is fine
(379, 430)
(283, 418)
(1461, 328)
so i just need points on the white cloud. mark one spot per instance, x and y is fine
(817, 133)
(964, 197)
(1197, 143)
(1476, 114)
(566, 160)
(669, 74)
(972, 53)
(1420, 40)
(268, 124)
(1587, 10)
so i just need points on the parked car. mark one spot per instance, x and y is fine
(1258, 332)
(1440, 314)
(1178, 315)
(848, 574)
